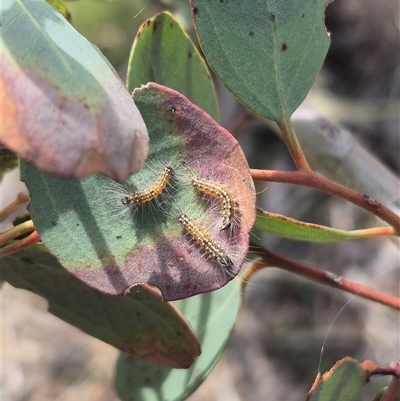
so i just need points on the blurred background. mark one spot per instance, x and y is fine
(275, 350)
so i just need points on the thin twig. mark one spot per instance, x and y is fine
(271, 259)
(16, 232)
(320, 183)
(21, 199)
(20, 245)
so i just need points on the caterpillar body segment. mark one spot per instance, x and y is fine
(229, 206)
(138, 198)
(204, 239)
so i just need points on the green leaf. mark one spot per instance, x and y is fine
(212, 317)
(63, 106)
(164, 54)
(110, 245)
(287, 227)
(138, 323)
(267, 52)
(341, 383)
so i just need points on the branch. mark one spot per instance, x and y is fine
(21, 199)
(16, 232)
(271, 259)
(392, 369)
(20, 245)
(340, 157)
(313, 180)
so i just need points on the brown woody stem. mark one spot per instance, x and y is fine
(271, 259)
(313, 180)
(21, 199)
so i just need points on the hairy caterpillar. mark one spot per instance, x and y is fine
(204, 240)
(154, 191)
(221, 192)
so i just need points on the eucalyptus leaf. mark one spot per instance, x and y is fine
(341, 383)
(267, 53)
(64, 107)
(212, 317)
(298, 230)
(111, 245)
(163, 53)
(139, 323)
